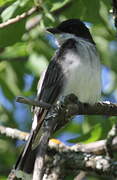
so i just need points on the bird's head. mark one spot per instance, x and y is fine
(72, 27)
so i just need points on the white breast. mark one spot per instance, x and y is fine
(83, 75)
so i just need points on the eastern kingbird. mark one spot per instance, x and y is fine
(75, 68)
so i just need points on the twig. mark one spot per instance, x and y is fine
(32, 102)
(14, 133)
(111, 135)
(77, 108)
(20, 17)
(94, 147)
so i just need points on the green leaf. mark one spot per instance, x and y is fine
(19, 72)
(20, 51)
(70, 128)
(3, 177)
(24, 2)
(12, 33)
(83, 9)
(58, 4)
(37, 64)
(3, 2)
(92, 135)
(8, 12)
(8, 80)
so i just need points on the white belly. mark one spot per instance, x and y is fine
(83, 77)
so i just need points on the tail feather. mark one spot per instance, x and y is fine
(25, 153)
(27, 157)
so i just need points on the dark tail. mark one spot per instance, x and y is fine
(26, 159)
(29, 150)
(25, 155)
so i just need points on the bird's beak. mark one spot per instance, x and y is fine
(53, 30)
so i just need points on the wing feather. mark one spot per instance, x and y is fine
(51, 87)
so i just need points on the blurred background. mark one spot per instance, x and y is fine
(25, 51)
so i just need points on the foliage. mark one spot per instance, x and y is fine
(25, 52)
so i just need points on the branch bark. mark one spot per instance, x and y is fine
(14, 133)
(72, 161)
(84, 153)
(97, 147)
(111, 135)
(32, 102)
(73, 107)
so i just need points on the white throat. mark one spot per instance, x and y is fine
(61, 38)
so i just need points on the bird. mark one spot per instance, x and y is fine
(74, 68)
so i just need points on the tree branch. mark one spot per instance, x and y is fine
(97, 147)
(32, 102)
(57, 117)
(20, 17)
(72, 161)
(63, 152)
(14, 133)
(73, 107)
(111, 135)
